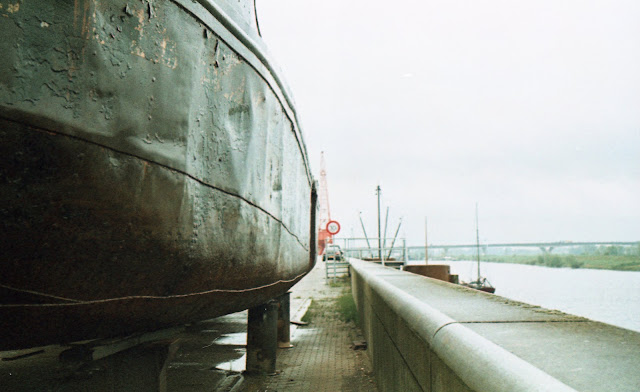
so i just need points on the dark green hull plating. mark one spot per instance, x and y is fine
(152, 172)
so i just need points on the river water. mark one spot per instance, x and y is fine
(612, 297)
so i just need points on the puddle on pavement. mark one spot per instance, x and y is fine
(236, 339)
(237, 365)
(233, 339)
(240, 339)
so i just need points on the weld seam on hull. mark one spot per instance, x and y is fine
(202, 182)
(131, 297)
(27, 291)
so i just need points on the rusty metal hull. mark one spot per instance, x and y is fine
(152, 171)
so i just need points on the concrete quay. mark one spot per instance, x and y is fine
(428, 335)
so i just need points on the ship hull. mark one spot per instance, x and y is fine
(153, 173)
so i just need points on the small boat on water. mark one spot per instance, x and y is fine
(480, 283)
(152, 169)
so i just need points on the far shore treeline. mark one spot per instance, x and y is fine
(612, 257)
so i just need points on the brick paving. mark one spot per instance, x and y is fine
(322, 358)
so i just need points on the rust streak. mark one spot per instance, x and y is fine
(86, 21)
(145, 168)
(75, 15)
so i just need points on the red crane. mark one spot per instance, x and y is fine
(324, 215)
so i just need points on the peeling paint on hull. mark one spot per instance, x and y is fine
(153, 172)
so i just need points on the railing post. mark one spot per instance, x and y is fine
(333, 278)
(326, 268)
(404, 251)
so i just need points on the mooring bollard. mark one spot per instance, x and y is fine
(262, 336)
(284, 321)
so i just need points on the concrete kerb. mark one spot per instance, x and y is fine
(485, 366)
(298, 315)
(479, 363)
(302, 310)
(303, 293)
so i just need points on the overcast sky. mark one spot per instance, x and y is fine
(529, 108)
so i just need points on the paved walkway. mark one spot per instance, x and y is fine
(322, 358)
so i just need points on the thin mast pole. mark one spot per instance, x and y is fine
(365, 232)
(378, 190)
(384, 233)
(426, 248)
(394, 239)
(478, 241)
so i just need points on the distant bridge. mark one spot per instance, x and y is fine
(360, 246)
(531, 245)
(546, 247)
